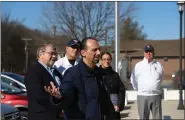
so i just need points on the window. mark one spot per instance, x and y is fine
(8, 89)
(11, 82)
(165, 59)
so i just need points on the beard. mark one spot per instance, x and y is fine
(52, 61)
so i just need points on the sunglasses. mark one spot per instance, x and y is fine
(149, 51)
(75, 46)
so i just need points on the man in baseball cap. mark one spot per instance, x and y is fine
(71, 57)
(149, 52)
(149, 48)
(146, 79)
(73, 42)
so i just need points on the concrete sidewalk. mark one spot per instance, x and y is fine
(169, 111)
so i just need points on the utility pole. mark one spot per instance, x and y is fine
(54, 33)
(54, 30)
(106, 38)
(26, 52)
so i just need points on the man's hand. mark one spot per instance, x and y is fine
(116, 108)
(53, 90)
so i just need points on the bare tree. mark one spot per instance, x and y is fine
(81, 19)
(127, 10)
(12, 51)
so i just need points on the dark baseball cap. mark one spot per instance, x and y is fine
(73, 42)
(148, 48)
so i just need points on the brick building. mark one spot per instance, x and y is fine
(166, 52)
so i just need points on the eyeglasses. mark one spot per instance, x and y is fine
(104, 59)
(52, 53)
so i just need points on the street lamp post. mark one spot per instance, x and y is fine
(180, 106)
(26, 52)
(184, 58)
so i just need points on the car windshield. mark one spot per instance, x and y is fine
(15, 76)
(8, 89)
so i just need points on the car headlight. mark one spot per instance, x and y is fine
(173, 75)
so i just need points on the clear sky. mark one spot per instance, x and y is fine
(160, 19)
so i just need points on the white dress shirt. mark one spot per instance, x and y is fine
(56, 78)
(147, 77)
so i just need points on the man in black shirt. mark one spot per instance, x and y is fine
(82, 89)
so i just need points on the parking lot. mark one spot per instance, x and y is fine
(169, 111)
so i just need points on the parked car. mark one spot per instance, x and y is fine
(176, 79)
(16, 76)
(16, 97)
(14, 81)
(9, 112)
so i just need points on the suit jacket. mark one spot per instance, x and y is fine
(40, 103)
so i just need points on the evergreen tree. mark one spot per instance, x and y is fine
(132, 31)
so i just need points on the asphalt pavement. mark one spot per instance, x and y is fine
(169, 111)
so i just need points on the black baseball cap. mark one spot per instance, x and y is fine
(73, 42)
(148, 48)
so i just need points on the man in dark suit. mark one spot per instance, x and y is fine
(41, 105)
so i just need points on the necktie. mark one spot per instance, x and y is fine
(55, 77)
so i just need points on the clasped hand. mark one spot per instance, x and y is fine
(53, 90)
(116, 108)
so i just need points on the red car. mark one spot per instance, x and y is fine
(15, 97)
